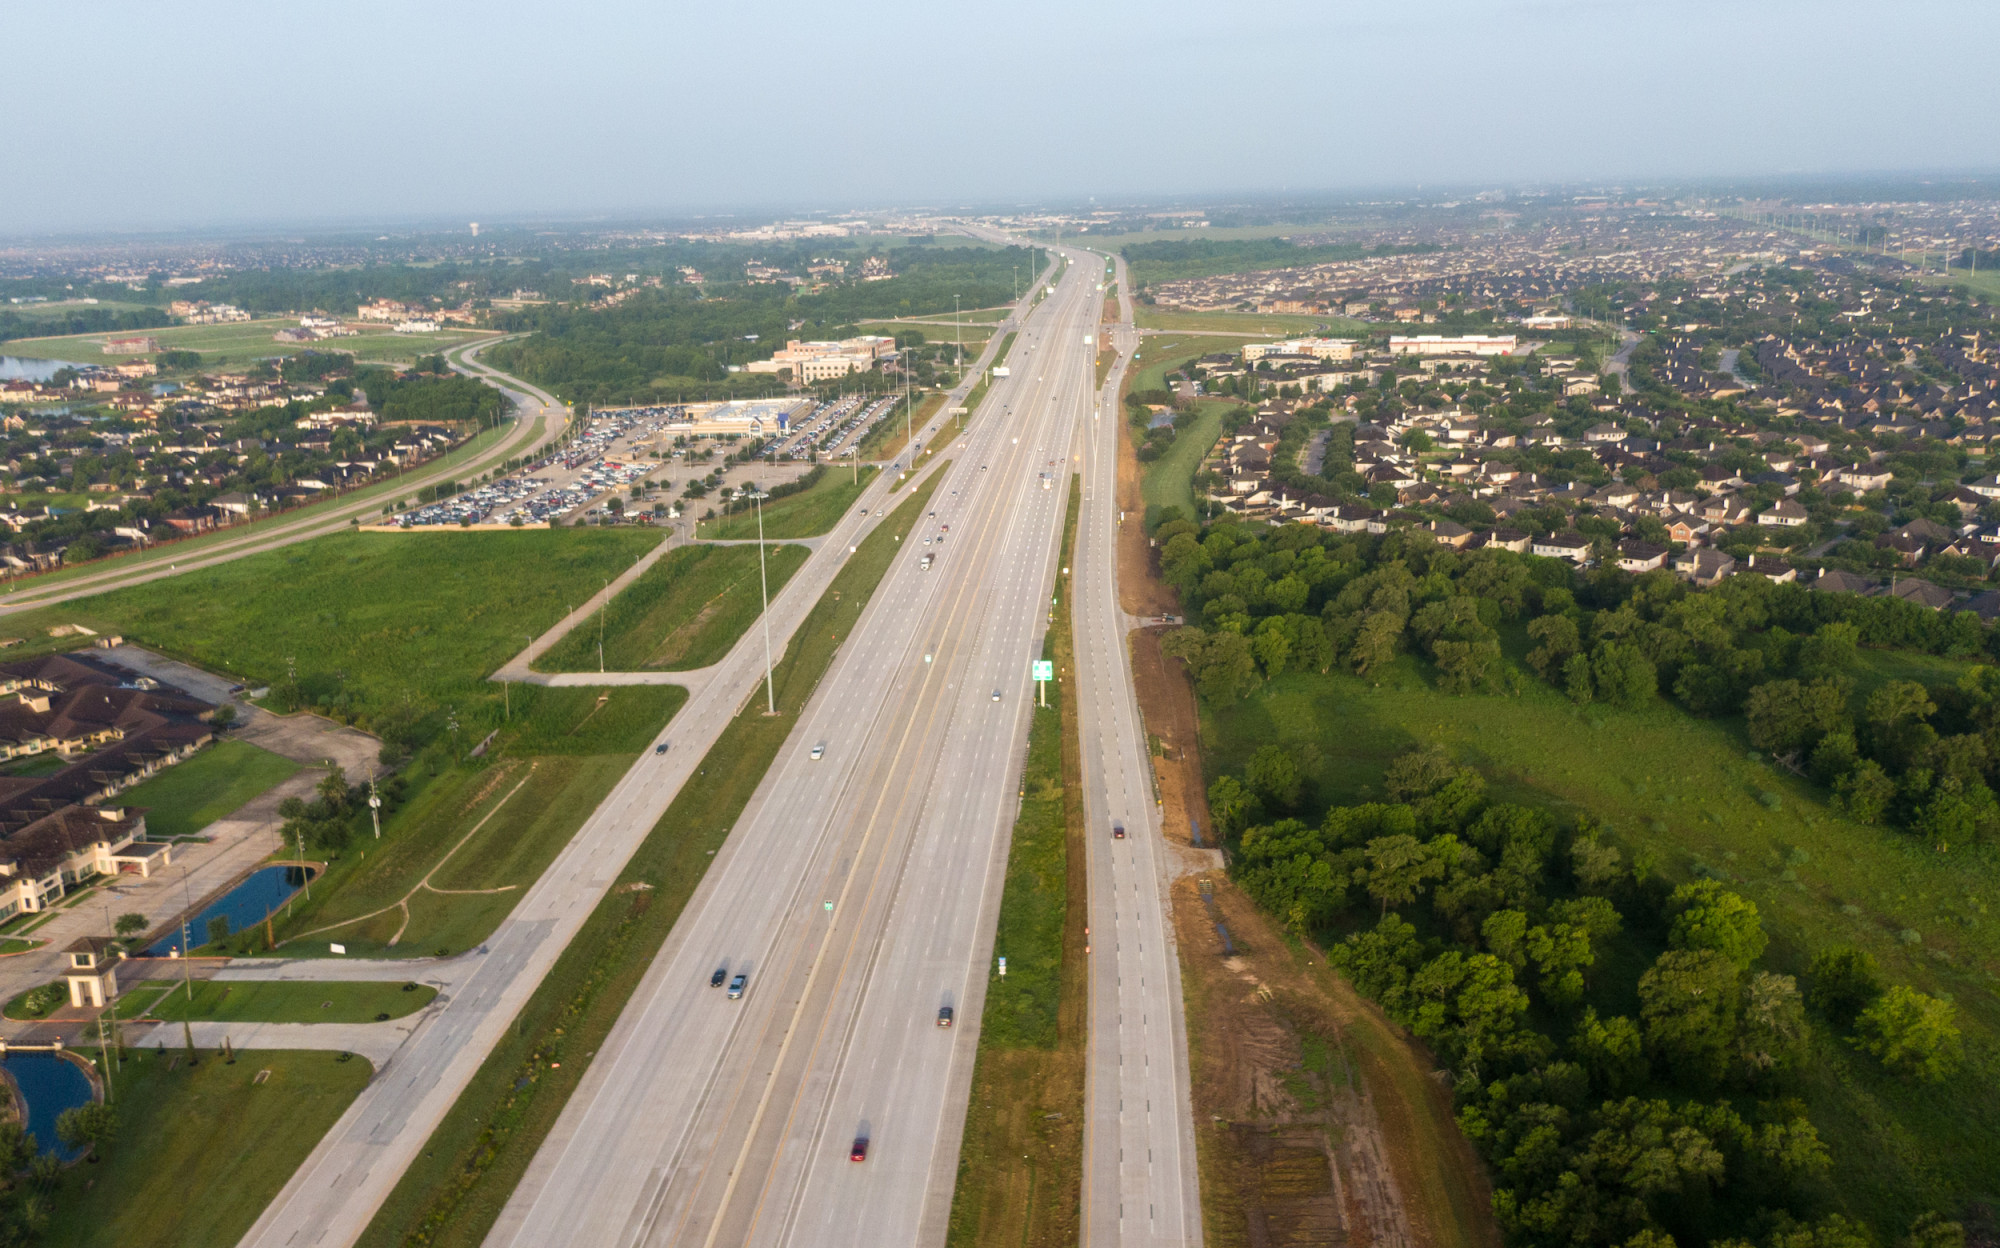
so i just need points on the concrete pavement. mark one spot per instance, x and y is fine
(335, 1193)
(1140, 1183)
(858, 892)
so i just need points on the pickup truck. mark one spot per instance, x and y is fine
(927, 561)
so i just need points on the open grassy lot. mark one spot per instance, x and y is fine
(809, 513)
(187, 797)
(474, 1159)
(378, 627)
(1171, 352)
(1686, 796)
(243, 343)
(1275, 324)
(200, 1150)
(277, 1001)
(1020, 1163)
(455, 859)
(1169, 480)
(685, 612)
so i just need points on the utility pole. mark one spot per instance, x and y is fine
(764, 583)
(375, 807)
(600, 625)
(187, 973)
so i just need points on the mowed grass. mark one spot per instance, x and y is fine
(374, 624)
(684, 612)
(1172, 352)
(1684, 794)
(293, 1001)
(242, 343)
(808, 513)
(472, 1162)
(548, 772)
(187, 797)
(200, 1150)
(1169, 480)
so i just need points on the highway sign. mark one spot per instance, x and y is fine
(1044, 669)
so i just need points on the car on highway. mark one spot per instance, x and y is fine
(860, 1150)
(661, 748)
(944, 1016)
(1117, 831)
(996, 695)
(818, 751)
(721, 973)
(737, 985)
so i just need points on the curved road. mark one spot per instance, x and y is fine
(538, 416)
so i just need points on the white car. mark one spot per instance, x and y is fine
(818, 750)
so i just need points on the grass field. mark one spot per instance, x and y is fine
(200, 1151)
(474, 1159)
(508, 821)
(243, 343)
(187, 797)
(1027, 1082)
(684, 612)
(1686, 793)
(376, 625)
(809, 513)
(1169, 480)
(281, 1001)
(1150, 317)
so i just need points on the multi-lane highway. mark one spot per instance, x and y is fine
(1139, 1181)
(858, 893)
(335, 1193)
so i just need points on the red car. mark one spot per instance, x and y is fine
(860, 1150)
(1117, 831)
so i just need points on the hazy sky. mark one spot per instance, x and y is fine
(144, 114)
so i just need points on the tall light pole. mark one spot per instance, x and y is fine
(764, 584)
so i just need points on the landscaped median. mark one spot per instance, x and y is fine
(455, 1190)
(1020, 1166)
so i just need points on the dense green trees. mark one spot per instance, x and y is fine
(1484, 926)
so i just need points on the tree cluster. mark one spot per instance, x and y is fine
(1487, 928)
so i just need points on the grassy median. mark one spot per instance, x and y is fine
(684, 612)
(455, 1190)
(1020, 1167)
(292, 1001)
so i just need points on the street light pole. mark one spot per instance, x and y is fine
(764, 583)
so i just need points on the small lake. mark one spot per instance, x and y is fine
(50, 1084)
(246, 905)
(20, 368)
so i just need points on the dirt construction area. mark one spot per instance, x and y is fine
(1317, 1121)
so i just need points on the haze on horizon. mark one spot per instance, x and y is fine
(142, 116)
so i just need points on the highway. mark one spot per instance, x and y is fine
(335, 1193)
(539, 418)
(858, 892)
(1140, 1183)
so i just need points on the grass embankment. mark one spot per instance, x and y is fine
(454, 860)
(379, 627)
(1020, 1166)
(684, 612)
(809, 513)
(1686, 794)
(1276, 325)
(187, 797)
(293, 1001)
(200, 1150)
(892, 434)
(1169, 480)
(452, 1194)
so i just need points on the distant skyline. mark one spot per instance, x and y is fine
(130, 116)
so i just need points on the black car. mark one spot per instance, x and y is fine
(721, 973)
(661, 748)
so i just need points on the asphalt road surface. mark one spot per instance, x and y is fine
(858, 893)
(336, 1192)
(1140, 1184)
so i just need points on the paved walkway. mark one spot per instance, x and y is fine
(377, 1042)
(517, 668)
(437, 972)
